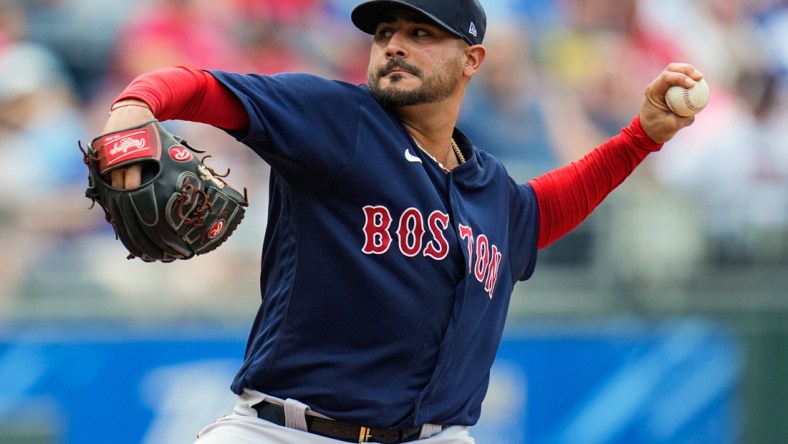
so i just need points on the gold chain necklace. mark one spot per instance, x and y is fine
(454, 147)
(457, 151)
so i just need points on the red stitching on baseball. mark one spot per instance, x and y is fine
(688, 102)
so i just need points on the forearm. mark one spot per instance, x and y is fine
(567, 196)
(185, 94)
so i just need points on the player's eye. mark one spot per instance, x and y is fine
(383, 33)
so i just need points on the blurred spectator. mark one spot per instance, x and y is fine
(604, 54)
(79, 32)
(43, 183)
(735, 166)
(717, 35)
(504, 111)
(772, 34)
(288, 36)
(13, 22)
(178, 32)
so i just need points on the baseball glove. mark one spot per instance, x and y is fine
(182, 207)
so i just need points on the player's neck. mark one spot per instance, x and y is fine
(432, 127)
(440, 147)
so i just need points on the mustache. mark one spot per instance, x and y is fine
(398, 63)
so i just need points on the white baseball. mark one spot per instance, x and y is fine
(686, 102)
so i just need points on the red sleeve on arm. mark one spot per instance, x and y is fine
(567, 196)
(187, 94)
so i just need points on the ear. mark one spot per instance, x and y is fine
(474, 57)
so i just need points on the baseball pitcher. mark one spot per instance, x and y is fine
(393, 243)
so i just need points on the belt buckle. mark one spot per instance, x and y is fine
(364, 434)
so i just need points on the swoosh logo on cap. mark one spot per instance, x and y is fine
(410, 157)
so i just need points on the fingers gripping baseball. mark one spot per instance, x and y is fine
(658, 120)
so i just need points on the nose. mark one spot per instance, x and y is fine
(395, 46)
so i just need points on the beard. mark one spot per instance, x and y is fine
(432, 89)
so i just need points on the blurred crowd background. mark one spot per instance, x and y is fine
(701, 228)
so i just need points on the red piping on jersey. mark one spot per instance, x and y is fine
(566, 196)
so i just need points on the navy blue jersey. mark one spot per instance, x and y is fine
(385, 281)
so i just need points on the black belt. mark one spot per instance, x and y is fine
(338, 430)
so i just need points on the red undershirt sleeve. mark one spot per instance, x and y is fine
(566, 196)
(187, 94)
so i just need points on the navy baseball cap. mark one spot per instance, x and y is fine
(464, 18)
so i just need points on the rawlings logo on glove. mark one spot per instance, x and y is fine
(182, 207)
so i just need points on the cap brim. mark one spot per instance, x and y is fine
(367, 16)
